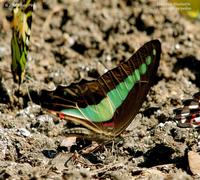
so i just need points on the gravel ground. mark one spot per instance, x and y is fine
(72, 40)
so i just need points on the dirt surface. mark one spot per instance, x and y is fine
(72, 40)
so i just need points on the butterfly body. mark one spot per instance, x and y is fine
(106, 106)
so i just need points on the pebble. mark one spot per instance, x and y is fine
(2, 51)
(194, 162)
(23, 132)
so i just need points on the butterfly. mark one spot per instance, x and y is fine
(189, 114)
(106, 106)
(21, 21)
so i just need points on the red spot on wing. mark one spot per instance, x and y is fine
(61, 115)
(109, 124)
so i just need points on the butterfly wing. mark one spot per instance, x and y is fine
(21, 29)
(189, 114)
(108, 104)
(142, 67)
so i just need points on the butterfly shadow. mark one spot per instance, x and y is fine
(193, 64)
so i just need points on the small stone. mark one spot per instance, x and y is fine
(2, 51)
(177, 46)
(68, 142)
(24, 132)
(194, 162)
(59, 161)
(50, 153)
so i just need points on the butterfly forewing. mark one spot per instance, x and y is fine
(141, 69)
(108, 104)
